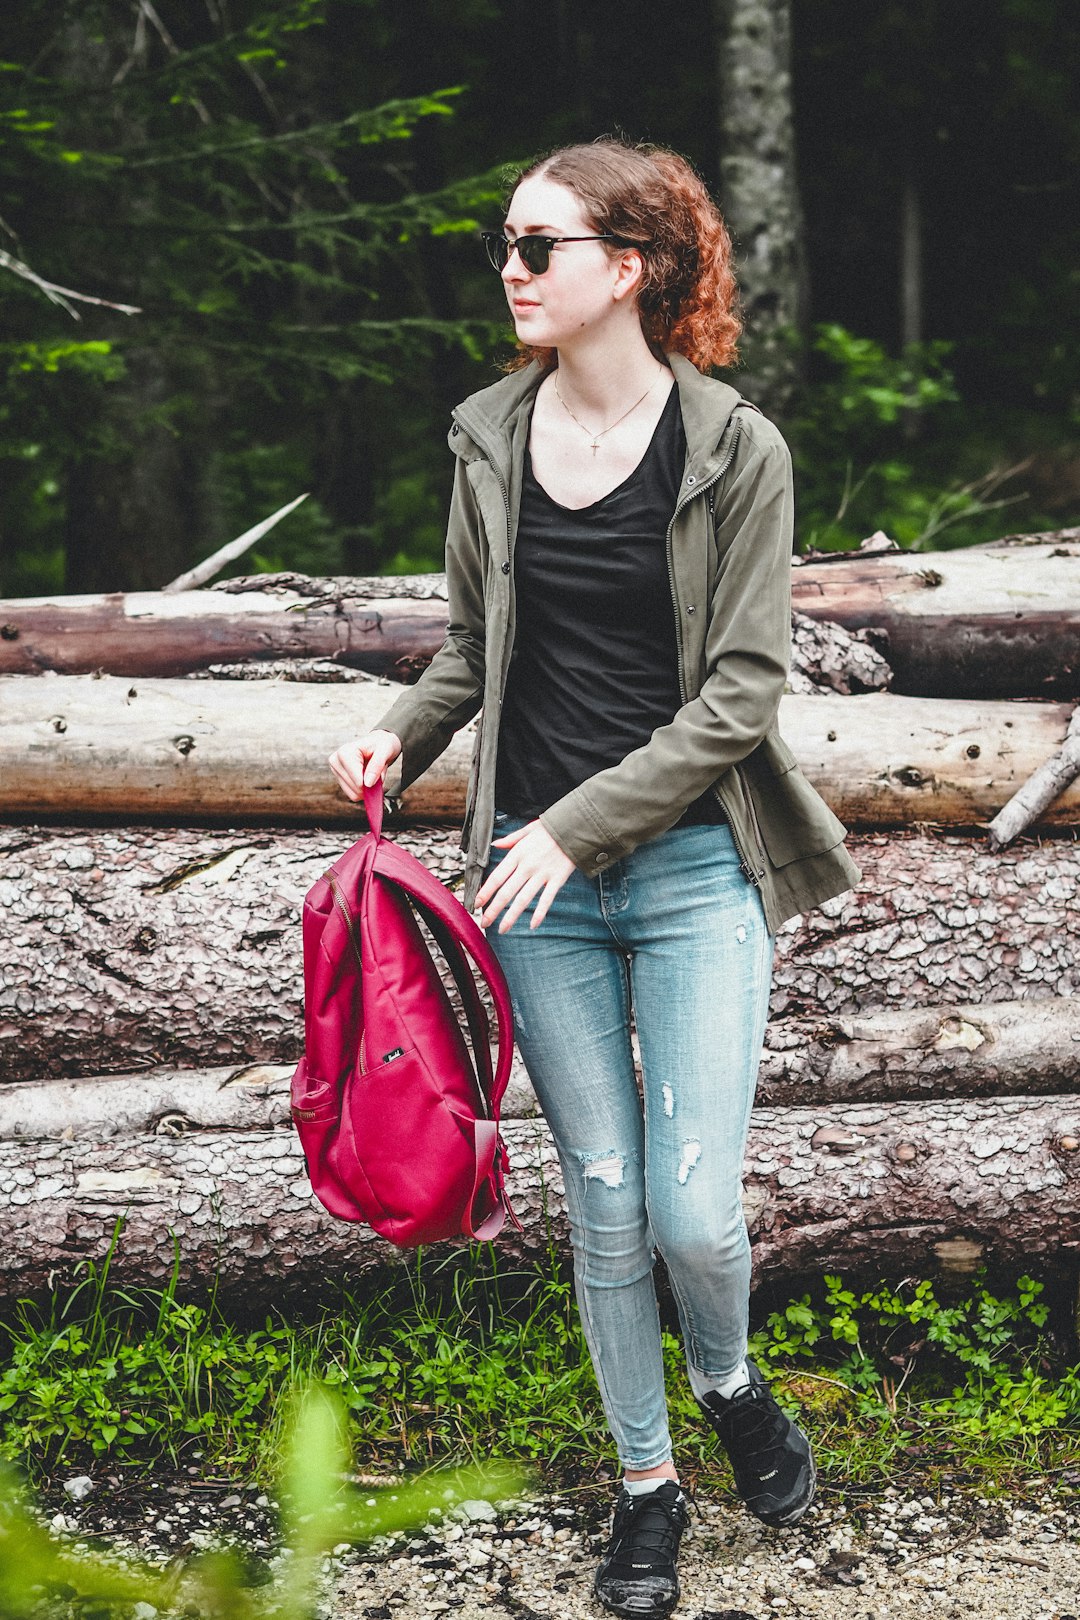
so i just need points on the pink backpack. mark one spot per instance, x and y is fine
(396, 1105)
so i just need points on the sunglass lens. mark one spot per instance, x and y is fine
(535, 253)
(498, 249)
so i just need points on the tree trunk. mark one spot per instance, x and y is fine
(142, 948)
(124, 747)
(987, 621)
(182, 750)
(760, 192)
(148, 633)
(865, 1190)
(1000, 1049)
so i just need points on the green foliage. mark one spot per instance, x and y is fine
(320, 1510)
(865, 458)
(459, 1358)
(218, 175)
(981, 1362)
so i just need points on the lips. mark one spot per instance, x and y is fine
(525, 303)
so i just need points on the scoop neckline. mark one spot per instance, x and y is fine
(631, 475)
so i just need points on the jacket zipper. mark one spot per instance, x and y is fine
(479, 440)
(753, 873)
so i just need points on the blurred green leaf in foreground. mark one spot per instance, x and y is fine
(320, 1509)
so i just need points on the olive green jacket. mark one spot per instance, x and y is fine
(729, 561)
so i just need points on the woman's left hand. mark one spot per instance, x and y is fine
(534, 865)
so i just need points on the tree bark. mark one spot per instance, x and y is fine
(123, 747)
(142, 948)
(987, 621)
(759, 190)
(1003, 1049)
(864, 1189)
(155, 634)
(253, 751)
(288, 636)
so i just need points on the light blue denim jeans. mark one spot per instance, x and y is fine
(675, 933)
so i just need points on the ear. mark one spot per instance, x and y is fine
(630, 268)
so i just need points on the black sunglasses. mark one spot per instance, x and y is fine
(534, 251)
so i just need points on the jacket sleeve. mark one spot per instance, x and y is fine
(450, 690)
(747, 658)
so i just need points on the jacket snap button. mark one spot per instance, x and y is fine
(602, 857)
(691, 609)
(454, 429)
(691, 479)
(506, 568)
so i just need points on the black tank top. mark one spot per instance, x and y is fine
(594, 669)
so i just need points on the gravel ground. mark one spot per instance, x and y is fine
(960, 1555)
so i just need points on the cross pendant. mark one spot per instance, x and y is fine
(594, 447)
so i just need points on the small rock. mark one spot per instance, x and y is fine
(143, 1611)
(79, 1488)
(477, 1510)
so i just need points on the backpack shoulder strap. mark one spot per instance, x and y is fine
(465, 936)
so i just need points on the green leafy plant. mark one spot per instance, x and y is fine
(981, 1361)
(321, 1509)
(457, 1356)
(861, 456)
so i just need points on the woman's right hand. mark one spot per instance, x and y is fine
(365, 760)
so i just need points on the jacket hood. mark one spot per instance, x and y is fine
(489, 417)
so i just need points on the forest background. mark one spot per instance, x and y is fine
(289, 195)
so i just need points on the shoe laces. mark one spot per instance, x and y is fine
(751, 1419)
(647, 1528)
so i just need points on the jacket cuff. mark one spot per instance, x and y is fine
(581, 834)
(409, 726)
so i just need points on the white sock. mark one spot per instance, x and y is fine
(643, 1487)
(702, 1384)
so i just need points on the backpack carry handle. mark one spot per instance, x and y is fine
(373, 808)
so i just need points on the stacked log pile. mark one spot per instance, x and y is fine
(165, 804)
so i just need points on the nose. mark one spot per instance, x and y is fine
(515, 268)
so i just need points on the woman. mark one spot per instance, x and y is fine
(618, 573)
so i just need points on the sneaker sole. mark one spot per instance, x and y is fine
(635, 1611)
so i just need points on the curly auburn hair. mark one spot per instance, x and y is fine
(652, 197)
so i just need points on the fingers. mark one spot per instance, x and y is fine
(364, 761)
(528, 892)
(538, 867)
(543, 905)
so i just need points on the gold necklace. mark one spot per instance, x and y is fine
(596, 437)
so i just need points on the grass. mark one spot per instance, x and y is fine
(457, 1358)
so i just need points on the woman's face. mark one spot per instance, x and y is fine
(584, 285)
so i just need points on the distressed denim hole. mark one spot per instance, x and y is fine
(669, 1100)
(610, 1168)
(691, 1153)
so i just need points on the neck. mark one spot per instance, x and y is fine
(601, 373)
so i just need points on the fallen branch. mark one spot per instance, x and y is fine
(1011, 1048)
(1039, 791)
(228, 553)
(148, 948)
(185, 750)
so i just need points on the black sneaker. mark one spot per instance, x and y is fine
(770, 1456)
(637, 1573)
